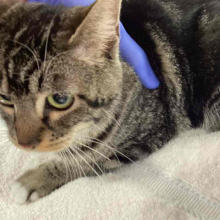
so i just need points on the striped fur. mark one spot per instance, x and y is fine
(114, 120)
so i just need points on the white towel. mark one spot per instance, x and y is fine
(179, 182)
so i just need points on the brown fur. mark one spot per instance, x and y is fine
(113, 119)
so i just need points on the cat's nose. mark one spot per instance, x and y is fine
(26, 145)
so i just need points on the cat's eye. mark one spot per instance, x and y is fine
(60, 101)
(4, 100)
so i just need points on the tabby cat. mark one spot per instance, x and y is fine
(65, 90)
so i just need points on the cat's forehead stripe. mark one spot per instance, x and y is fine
(24, 49)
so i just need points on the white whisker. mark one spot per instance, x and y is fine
(50, 63)
(75, 150)
(111, 148)
(91, 160)
(72, 171)
(47, 40)
(77, 162)
(100, 128)
(63, 157)
(92, 150)
(35, 57)
(102, 143)
(112, 117)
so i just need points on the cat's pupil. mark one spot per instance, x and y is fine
(60, 99)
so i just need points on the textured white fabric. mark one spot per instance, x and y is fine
(192, 161)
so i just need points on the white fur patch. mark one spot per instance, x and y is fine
(20, 194)
(34, 197)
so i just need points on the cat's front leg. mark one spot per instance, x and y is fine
(43, 180)
(39, 182)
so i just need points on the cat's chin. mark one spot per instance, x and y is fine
(39, 149)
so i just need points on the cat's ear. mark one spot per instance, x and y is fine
(97, 38)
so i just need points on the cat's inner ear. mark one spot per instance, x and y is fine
(97, 38)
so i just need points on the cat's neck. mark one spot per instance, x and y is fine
(130, 79)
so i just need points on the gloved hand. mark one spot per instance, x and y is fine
(131, 52)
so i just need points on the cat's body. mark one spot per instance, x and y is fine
(181, 41)
(115, 116)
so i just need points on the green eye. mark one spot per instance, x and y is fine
(60, 101)
(4, 100)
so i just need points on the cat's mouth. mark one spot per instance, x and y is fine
(51, 142)
(41, 147)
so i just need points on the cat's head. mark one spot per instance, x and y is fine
(60, 73)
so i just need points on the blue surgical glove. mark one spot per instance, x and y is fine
(131, 52)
